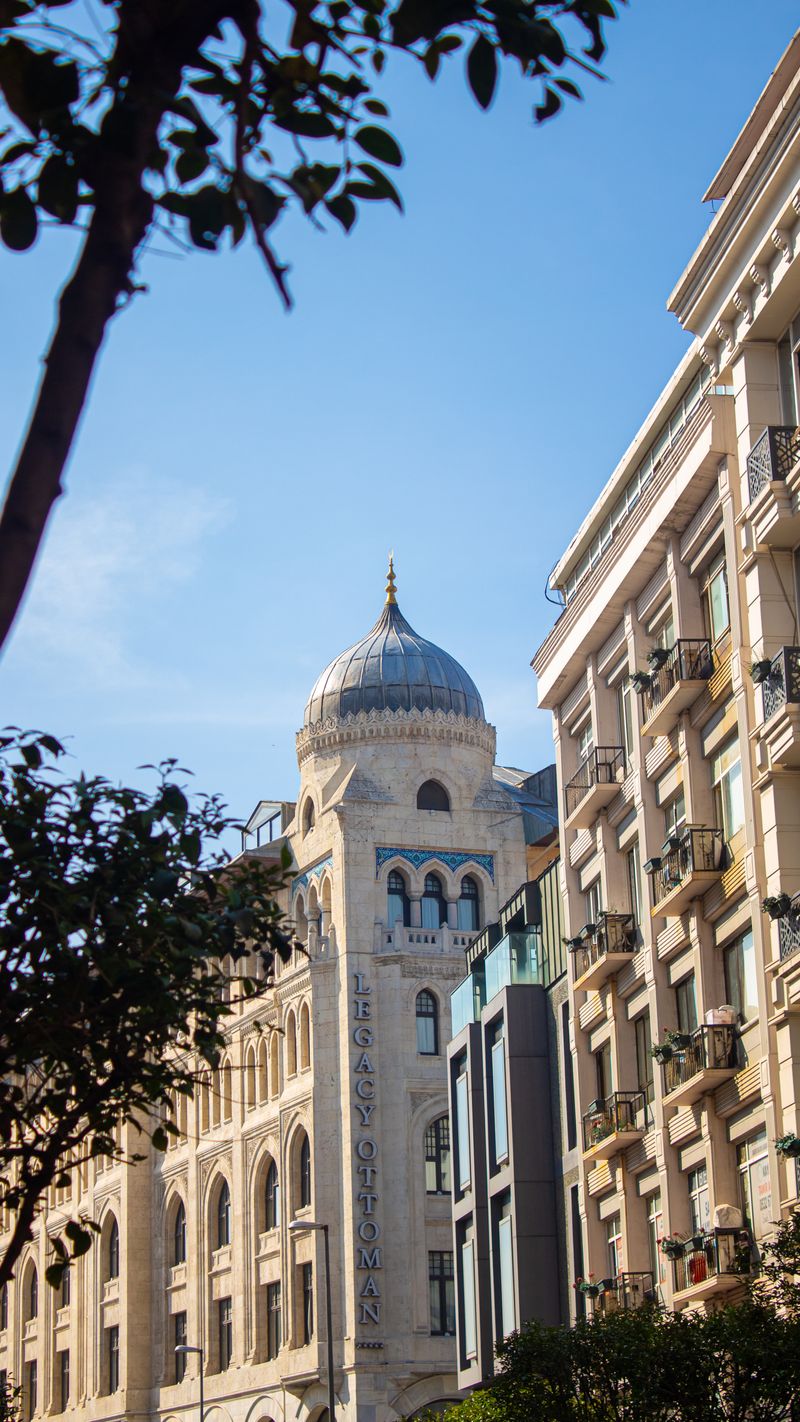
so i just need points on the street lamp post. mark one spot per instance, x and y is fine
(297, 1226)
(187, 1348)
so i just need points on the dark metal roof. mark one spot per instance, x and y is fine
(393, 669)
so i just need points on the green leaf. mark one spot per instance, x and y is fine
(190, 165)
(385, 188)
(482, 71)
(18, 221)
(160, 1139)
(375, 106)
(266, 203)
(306, 125)
(431, 61)
(343, 209)
(379, 144)
(551, 106)
(58, 189)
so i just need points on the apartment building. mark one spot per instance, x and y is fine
(673, 678)
(512, 1115)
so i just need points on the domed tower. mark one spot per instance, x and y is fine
(405, 846)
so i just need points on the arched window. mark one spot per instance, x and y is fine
(305, 1172)
(223, 1215)
(432, 796)
(309, 816)
(66, 1288)
(397, 900)
(305, 1037)
(274, 1069)
(263, 1071)
(32, 1299)
(4, 1308)
(437, 1157)
(113, 1251)
(300, 921)
(250, 1079)
(434, 907)
(179, 1235)
(291, 1045)
(272, 1198)
(227, 1092)
(468, 905)
(427, 1024)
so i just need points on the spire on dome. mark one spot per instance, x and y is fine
(391, 596)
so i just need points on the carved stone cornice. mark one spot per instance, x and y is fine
(440, 726)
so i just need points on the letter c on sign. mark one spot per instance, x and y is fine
(365, 1089)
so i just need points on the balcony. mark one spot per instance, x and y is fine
(602, 949)
(691, 861)
(773, 479)
(626, 1291)
(516, 959)
(675, 684)
(610, 1126)
(712, 1264)
(789, 930)
(466, 1002)
(707, 1059)
(780, 693)
(594, 784)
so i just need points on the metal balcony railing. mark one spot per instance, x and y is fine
(783, 682)
(689, 659)
(602, 766)
(690, 850)
(772, 457)
(629, 1290)
(709, 1048)
(789, 930)
(612, 933)
(724, 1254)
(621, 1112)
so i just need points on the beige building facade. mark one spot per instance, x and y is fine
(673, 677)
(329, 1106)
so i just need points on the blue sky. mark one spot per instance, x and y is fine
(456, 384)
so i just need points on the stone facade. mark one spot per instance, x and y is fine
(328, 1088)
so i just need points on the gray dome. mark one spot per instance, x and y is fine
(393, 669)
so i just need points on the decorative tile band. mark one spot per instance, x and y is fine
(302, 881)
(418, 857)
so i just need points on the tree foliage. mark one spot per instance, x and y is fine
(208, 120)
(118, 933)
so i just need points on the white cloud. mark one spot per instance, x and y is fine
(127, 545)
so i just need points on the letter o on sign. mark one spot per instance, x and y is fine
(367, 1149)
(368, 1230)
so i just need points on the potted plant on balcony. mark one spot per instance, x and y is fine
(673, 1245)
(788, 1146)
(777, 905)
(657, 657)
(641, 681)
(760, 671)
(587, 1287)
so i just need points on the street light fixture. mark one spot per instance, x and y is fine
(187, 1348)
(297, 1226)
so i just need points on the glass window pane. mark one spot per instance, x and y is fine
(506, 1263)
(499, 1100)
(468, 1285)
(462, 1127)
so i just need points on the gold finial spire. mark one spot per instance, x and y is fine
(391, 598)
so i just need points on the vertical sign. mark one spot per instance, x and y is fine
(369, 1253)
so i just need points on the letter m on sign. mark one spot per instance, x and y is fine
(369, 1258)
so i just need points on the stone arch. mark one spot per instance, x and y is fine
(110, 1243)
(305, 1037)
(265, 1409)
(300, 918)
(174, 1203)
(326, 901)
(218, 1182)
(308, 815)
(29, 1288)
(300, 1168)
(290, 1034)
(250, 1075)
(433, 797)
(226, 1090)
(427, 1392)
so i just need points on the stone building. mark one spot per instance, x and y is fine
(673, 677)
(329, 1106)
